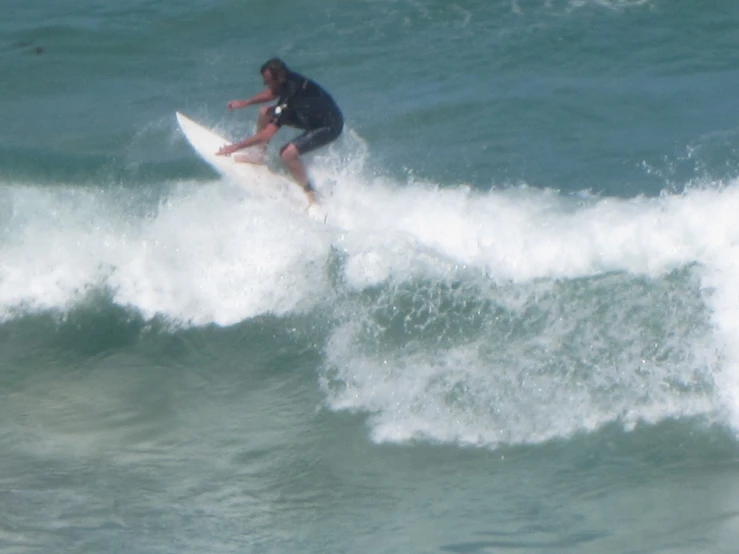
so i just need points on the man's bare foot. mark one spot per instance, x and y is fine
(251, 158)
(310, 192)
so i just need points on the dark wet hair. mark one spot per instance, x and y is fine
(277, 68)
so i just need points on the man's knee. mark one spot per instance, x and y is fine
(265, 112)
(289, 152)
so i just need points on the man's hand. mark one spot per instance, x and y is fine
(237, 104)
(226, 150)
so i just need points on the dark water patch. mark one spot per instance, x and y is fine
(27, 47)
(50, 168)
(569, 541)
(99, 326)
(85, 331)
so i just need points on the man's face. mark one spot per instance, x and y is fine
(269, 80)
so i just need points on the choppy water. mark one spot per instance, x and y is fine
(516, 330)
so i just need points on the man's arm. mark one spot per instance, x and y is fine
(260, 98)
(262, 137)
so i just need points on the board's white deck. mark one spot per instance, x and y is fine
(252, 176)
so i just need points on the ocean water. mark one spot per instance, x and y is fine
(516, 331)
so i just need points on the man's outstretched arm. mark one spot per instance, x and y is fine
(260, 98)
(262, 137)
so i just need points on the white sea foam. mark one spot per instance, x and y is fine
(210, 254)
(527, 391)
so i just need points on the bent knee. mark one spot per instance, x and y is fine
(266, 111)
(289, 152)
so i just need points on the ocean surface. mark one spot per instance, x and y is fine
(516, 331)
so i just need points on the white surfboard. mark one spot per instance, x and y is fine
(256, 178)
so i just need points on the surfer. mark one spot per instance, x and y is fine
(301, 103)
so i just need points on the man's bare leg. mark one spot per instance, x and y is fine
(256, 158)
(291, 158)
(264, 117)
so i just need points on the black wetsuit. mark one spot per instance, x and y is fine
(306, 105)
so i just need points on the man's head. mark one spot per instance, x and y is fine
(274, 73)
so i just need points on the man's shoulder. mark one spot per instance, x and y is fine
(294, 77)
(292, 84)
